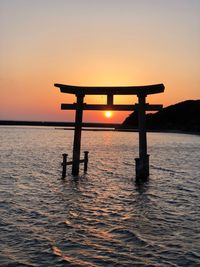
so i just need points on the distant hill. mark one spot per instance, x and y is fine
(183, 116)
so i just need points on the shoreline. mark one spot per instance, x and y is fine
(57, 124)
(90, 126)
(132, 130)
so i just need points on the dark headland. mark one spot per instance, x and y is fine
(182, 117)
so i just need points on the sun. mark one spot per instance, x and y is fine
(108, 114)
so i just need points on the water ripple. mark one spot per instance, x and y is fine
(103, 218)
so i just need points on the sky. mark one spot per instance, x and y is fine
(95, 42)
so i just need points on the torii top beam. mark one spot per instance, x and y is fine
(111, 90)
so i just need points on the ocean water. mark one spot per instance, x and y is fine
(102, 218)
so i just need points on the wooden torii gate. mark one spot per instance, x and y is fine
(142, 163)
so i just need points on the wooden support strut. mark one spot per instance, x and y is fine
(85, 161)
(110, 100)
(64, 164)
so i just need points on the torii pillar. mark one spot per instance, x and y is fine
(142, 163)
(77, 134)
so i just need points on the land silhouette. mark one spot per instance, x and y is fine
(183, 116)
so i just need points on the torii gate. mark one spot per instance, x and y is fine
(142, 163)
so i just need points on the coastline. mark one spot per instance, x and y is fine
(57, 124)
(90, 126)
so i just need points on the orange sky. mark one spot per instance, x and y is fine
(91, 42)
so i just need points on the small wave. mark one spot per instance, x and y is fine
(73, 214)
(166, 170)
(67, 222)
(127, 235)
(74, 261)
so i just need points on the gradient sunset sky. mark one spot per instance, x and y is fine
(95, 42)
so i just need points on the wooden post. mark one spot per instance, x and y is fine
(64, 164)
(109, 99)
(142, 163)
(85, 160)
(77, 134)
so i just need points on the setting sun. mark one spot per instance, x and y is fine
(108, 114)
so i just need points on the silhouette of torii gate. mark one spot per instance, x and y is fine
(142, 163)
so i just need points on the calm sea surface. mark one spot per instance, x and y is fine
(103, 218)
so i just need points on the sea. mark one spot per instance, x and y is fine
(103, 217)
